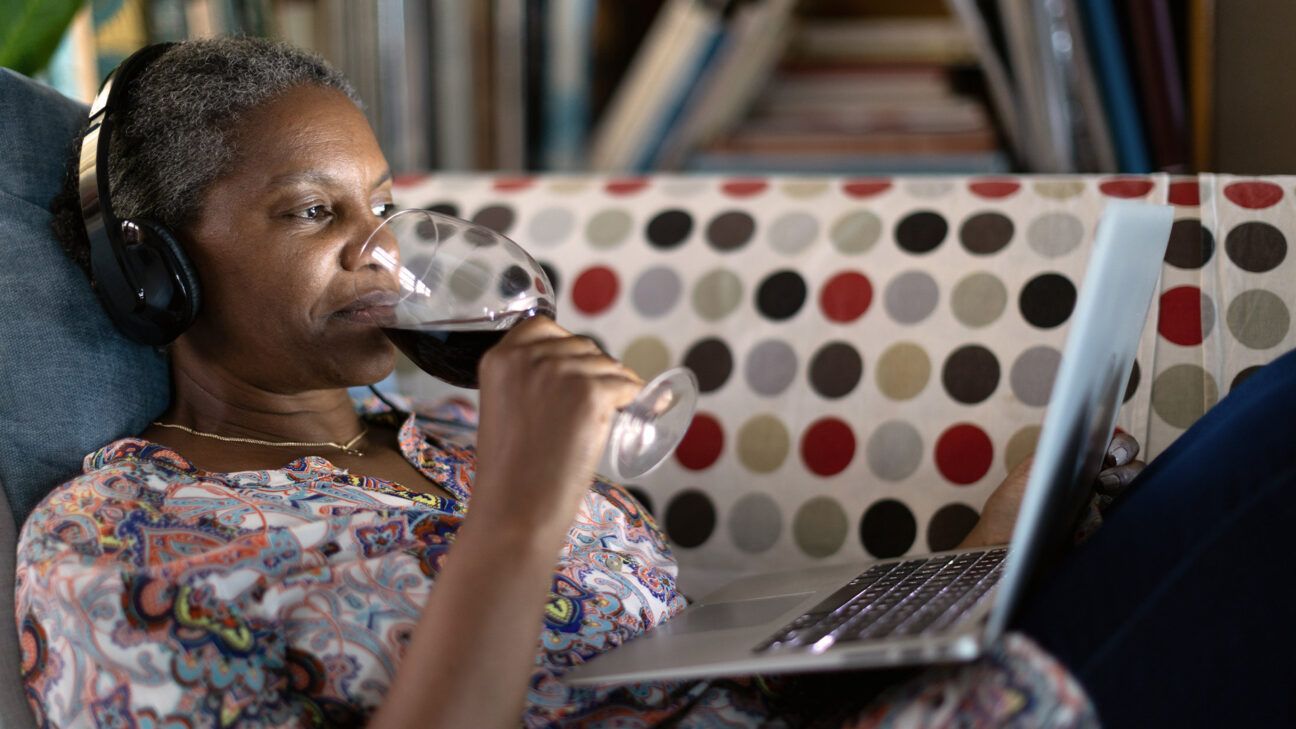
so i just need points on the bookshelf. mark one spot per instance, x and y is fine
(767, 86)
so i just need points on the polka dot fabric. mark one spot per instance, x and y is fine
(875, 354)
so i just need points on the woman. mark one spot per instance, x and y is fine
(190, 577)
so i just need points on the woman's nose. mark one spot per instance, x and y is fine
(371, 247)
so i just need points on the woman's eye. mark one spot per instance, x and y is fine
(383, 210)
(314, 212)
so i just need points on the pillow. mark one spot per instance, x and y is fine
(69, 382)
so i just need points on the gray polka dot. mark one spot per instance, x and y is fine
(1183, 393)
(1258, 318)
(682, 186)
(717, 294)
(794, 232)
(1055, 234)
(1033, 374)
(550, 227)
(911, 297)
(656, 291)
(979, 299)
(856, 232)
(894, 450)
(609, 228)
(928, 189)
(470, 280)
(819, 527)
(755, 523)
(771, 366)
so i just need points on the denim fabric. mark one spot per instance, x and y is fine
(68, 381)
(1177, 612)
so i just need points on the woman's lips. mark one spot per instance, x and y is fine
(377, 308)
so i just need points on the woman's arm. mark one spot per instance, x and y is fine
(547, 400)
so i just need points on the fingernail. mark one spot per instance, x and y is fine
(1109, 480)
(1121, 455)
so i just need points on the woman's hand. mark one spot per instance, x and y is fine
(548, 398)
(1000, 512)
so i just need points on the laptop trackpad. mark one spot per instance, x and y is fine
(736, 614)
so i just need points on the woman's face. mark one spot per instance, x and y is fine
(276, 246)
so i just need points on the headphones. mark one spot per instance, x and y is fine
(142, 276)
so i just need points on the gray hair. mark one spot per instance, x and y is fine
(176, 136)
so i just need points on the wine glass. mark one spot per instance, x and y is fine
(455, 288)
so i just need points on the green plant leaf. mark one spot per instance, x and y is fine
(30, 31)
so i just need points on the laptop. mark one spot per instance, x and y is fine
(948, 606)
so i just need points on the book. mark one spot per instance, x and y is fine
(1201, 81)
(682, 39)
(1160, 83)
(509, 84)
(1108, 53)
(567, 81)
(1095, 150)
(1045, 117)
(980, 18)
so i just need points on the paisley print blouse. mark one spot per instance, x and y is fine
(154, 594)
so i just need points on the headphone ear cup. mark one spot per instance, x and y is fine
(168, 279)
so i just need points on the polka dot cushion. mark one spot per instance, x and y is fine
(875, 354)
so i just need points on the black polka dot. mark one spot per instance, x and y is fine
(498, 218)
(480, 237)
(1191, 246)
(730, 230)
(1256, 247)
(445, 208)
(690, 518)
(670, 228)
(552, 274)
(1047, 300)
(835, 369)
(1135, 375)
(949, 525)
(781, 295)
(642, 497)
(888, 529)
(1243, 376)
(514, 281)
(971, 374)
(712, 362)
(986, 233)
(921, 232)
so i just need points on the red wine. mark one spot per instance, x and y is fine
(451, 351)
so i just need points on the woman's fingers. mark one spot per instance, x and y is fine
(1114, 480)
(1121, 450)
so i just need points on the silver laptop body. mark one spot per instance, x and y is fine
(796, 620)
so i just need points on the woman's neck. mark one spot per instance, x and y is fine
(213, 400)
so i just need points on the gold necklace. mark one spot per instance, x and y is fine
(347, 447)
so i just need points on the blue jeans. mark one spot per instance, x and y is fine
(1179, 610)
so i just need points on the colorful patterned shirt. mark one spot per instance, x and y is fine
(153, 594)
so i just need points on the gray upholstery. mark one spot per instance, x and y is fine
(68, 381)
(14, 712)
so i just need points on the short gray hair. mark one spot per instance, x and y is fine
(176, 136)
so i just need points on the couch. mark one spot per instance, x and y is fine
(874, 354)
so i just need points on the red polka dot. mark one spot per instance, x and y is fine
(1126, 187)
(540, 285)
(994, 188)
(702, 443)
(595, 290)
(846, 296)
(408, 179)
(626, 186)
(827, 446)
(964, 454)
(866, 188)
(1179, 319)
(1185, 193)
(512, 184)
(744, 188)
(1253, 195)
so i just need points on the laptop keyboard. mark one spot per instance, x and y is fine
(896, 599)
